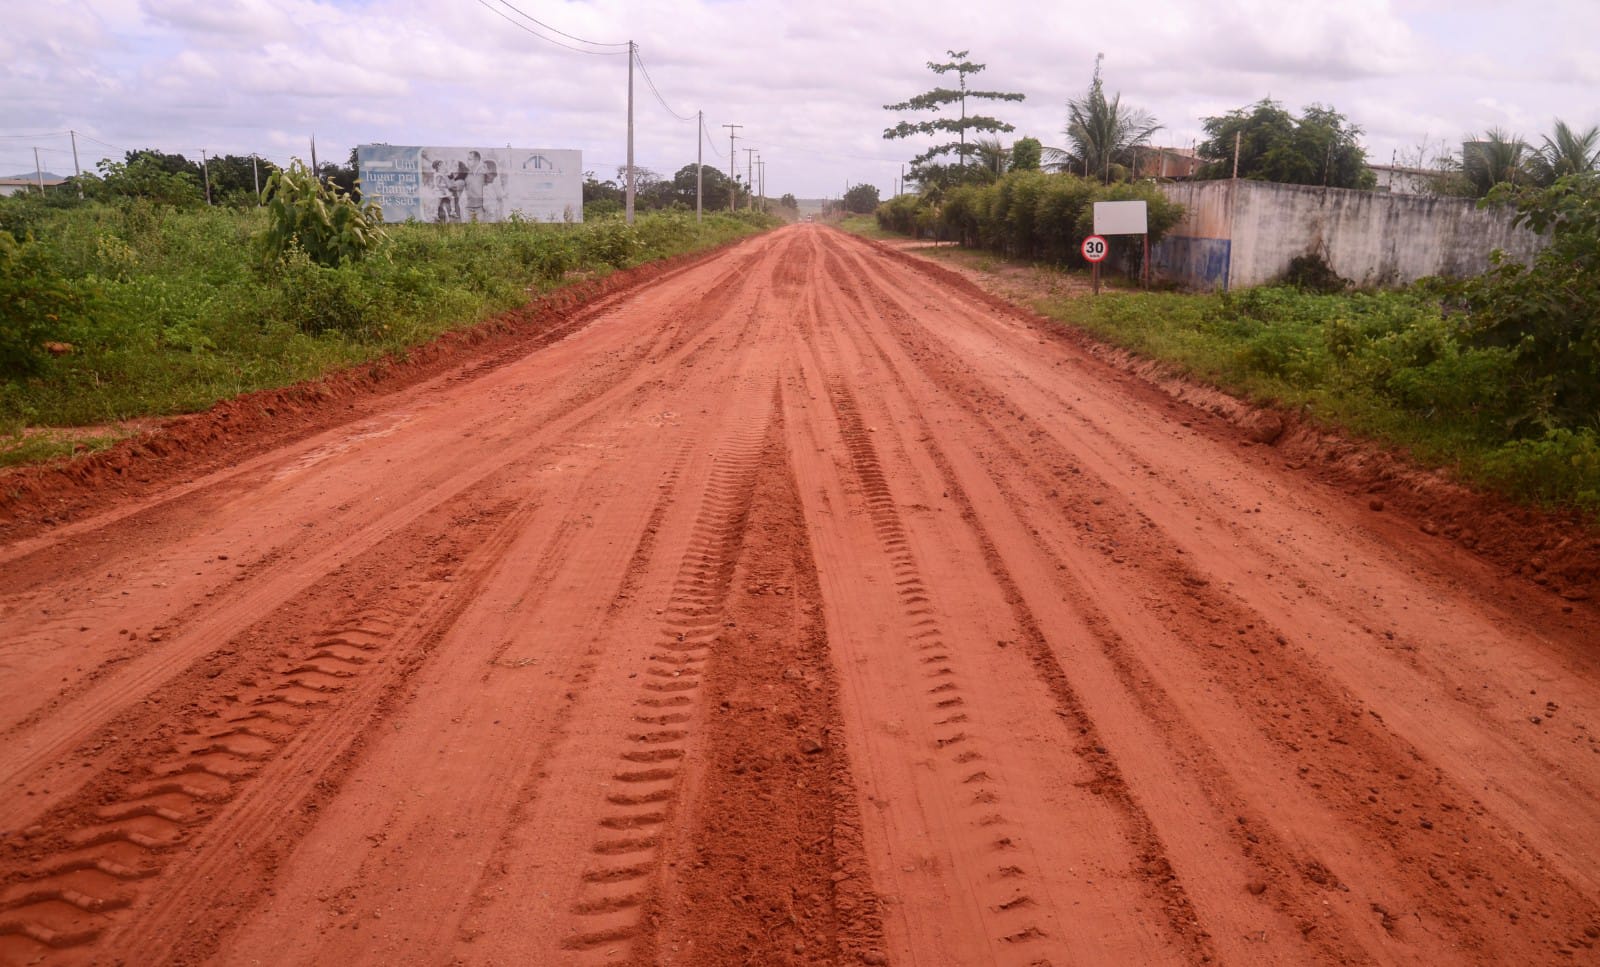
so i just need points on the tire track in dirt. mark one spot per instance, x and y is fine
(1013, 915)
(1351, 750)
(648, 767)
(242, 756)
(84, 705)
(1149, 859)
(767, 864)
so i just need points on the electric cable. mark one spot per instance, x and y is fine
(549, 40)
(656, 91)
(593, 43)
(709, 140)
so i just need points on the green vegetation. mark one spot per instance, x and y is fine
(1320, 147)
(1392, 366)
(861, 199)
(1497, 376)
(1104, 135)
(926, 169)
(308, 215)
(1024, 214)
(115, 311)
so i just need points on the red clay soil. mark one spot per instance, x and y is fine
(804, 605)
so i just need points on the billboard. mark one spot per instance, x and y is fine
(472, 184)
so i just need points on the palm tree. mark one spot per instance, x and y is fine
(1570, 153)
(1102, 132)
(1499, 157)
(991, 154)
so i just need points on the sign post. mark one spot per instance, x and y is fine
(1125, 218)
(1094, 252)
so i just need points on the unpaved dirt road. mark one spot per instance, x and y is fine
(798, 607)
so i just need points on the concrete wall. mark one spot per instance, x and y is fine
(1371, 238)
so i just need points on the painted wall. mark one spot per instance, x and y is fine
(1371, 238)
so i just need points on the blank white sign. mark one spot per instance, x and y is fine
(1121, 218)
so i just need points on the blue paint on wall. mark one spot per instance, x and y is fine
(1195, 263)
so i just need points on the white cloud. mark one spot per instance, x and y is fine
(808, 81)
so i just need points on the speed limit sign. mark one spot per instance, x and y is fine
(1094, 249)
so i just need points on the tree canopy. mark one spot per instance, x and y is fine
(1026, 154)
(925, 166)
(1320, 147)
(861, 199)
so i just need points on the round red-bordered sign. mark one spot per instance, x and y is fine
(1095, 249)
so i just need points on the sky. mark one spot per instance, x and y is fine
(807, 80)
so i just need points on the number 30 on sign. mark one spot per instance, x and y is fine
(1094, 249)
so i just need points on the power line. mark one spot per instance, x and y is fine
(549, 40)
(657, 92)
(46, 134)
(554, 30)
(706, 136)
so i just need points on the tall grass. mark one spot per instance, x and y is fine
(151, 310)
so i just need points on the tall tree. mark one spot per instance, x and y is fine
(1320, 147)
(1572, 152)
(861, 199)
(1103, 133)
(939, 99)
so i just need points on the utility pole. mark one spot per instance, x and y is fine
(76, 170)
(699, 163)
(761, 182)
(749, 180)
(205, 172)
(902, 189)
(1236, 137)
(255, 173)
(38, 172)
(733, 159)
(630, 133)
(315, 171)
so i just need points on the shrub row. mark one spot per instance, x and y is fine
(1023, 214)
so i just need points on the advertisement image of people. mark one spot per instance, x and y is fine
(458, 185)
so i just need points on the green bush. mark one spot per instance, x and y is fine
(36, 305)
(1025, 214)
(1563, 465)
(317, 217)
(1548, 314)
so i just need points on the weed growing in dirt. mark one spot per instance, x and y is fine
(115, 311)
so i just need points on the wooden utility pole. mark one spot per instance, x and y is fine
(38, 171)
(699, 162)
(629, 208)
(749, 178)
(733, 159)
(205, 172)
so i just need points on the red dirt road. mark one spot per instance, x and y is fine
(797, 607)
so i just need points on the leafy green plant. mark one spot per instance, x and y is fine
(35, 305)
(1548, 313)
(319, 218)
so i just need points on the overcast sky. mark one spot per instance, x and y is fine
(808, 80)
